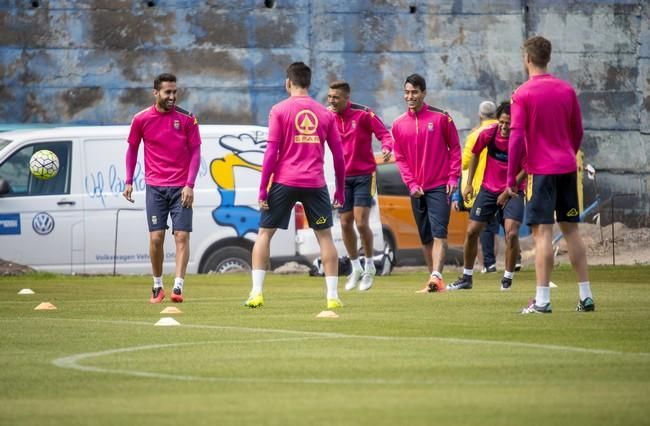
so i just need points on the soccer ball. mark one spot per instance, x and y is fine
(44, 164)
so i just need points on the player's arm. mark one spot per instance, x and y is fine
(516, 142)
(402, 164)
(467, 149)
(453, 143)
(576, 124)
(270, 157)
(468, 192)
(135, 136)
(194, 142)
(379, 129)
(336, 147)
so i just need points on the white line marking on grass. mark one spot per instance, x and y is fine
(73, 361)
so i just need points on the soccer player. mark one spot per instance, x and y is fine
(356, 124)
(492, 199)
(547, 126)
(427, 152)
(172, 154)
(298, 129)
(487, 117)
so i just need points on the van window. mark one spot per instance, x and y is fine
(389, 181)
(15, 170)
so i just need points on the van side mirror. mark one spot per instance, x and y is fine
(4, 187)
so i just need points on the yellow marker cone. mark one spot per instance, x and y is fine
(171, 310)
(45, 306)
(327, 314)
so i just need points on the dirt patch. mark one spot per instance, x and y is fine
(12, 268)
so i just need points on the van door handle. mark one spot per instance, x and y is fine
(66, 203)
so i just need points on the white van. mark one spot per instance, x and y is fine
(78, 221)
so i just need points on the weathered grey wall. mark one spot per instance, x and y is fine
(93, 61)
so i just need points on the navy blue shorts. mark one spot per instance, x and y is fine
(162, 201)
(485, 207)
(431, 212)
(552, 197)
(282, 199)
(358, 192)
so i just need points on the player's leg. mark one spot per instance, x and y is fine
(346, 216)
(318, 210)
(363, 192)
(540, 212)
(181, 226)
(419, 208)
(157, 209)
(281, 200)
(568, 216)
(438, 211)
(513, 214)
(488, 245)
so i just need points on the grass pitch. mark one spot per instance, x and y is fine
(392, 358)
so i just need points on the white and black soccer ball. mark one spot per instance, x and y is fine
(44, 164)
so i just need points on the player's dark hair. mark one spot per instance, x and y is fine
(340, 85)
(503, 108)
(416, 80)
(299, 74)
(171, 78)
(539, 50)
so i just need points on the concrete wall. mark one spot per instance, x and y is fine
(93, 61)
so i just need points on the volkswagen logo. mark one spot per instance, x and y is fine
(43, 223)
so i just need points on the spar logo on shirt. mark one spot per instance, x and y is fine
(306, 124)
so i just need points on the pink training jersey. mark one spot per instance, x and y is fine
(496, 163)
(169, 139)
(546, 125)
(427, 149)
(356, 125)
(298, 129)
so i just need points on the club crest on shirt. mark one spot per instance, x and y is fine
(177, 124)
(306, 124)
(430, 127)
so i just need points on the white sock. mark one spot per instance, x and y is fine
(370, 265)
(543, 295)
(157, 282)
(356, 264)
(178, 283)
(258, 281)
(585, 290)
(508, 274)
(436, 274)
(332, 284)
(469, 272)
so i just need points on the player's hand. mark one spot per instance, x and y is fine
(187, 197)
(468, 193)
(128, 192)
(386, 154)
(417, 193)
(337, 203)
(455, 205)
(451, 188)
(264, 205)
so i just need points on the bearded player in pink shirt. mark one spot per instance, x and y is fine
(293, 164)
(427, 152)
(356, 124)
(172, 154)
(547, 127)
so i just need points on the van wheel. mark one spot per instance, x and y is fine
(228, 259)
(389, 259)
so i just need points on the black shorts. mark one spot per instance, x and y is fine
(431, 212)
(358, 192)
(282, 199)
(552, 197)
(161, 201)
(485, 207)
